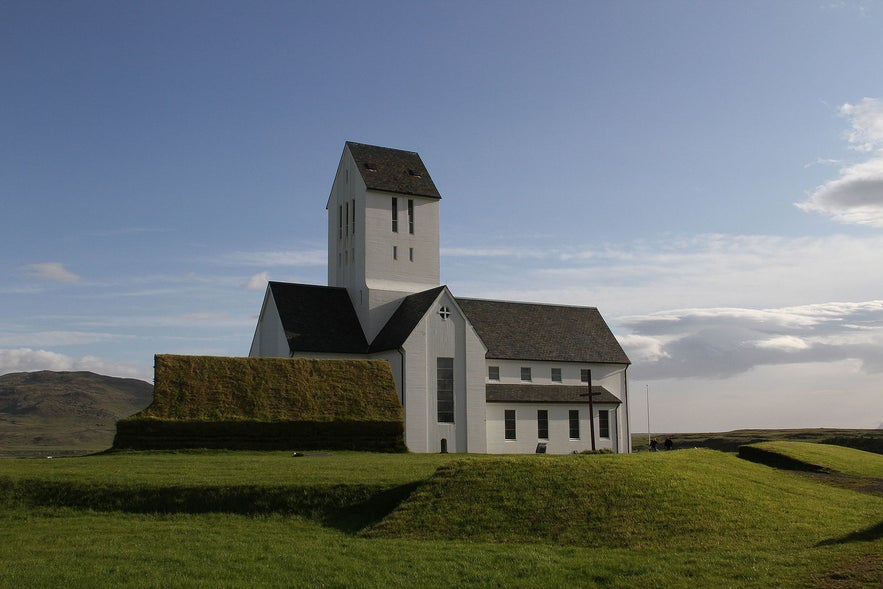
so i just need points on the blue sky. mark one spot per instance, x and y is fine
(708, 174)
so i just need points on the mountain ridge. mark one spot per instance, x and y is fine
(65, 412)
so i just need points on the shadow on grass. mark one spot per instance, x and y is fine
(776, 460)
(357, 517)
(870, 534)
(348, 508)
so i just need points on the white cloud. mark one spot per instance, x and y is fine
(52, 271)
(28, 360)
(856, 197)
(866, 124)
(53, 338)
(739, 271)
(723, 342)
(258, 281)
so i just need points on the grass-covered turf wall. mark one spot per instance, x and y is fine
(267, 403)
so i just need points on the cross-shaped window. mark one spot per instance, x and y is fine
(444, 313)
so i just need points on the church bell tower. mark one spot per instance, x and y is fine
(383, 230)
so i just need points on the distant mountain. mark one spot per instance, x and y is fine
(65, 412)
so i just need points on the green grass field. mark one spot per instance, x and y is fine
(694, 518)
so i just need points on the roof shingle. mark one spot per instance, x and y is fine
(318, 318)
(533, 331)
(392, 170)
(542, 393)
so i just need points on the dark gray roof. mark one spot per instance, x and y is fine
(318, 318)
(403, 321)
(533, 331)
(392, 170)
(539, 393)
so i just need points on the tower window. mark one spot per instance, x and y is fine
(411, 216)
(395, 215)
(339, 221)
(395, 252)
(354, 216)
(411, 254)
(347, 218)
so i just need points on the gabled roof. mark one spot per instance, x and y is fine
(542, 393)
(392, 170)
(533, 331)
(404, 320)
(318, 318)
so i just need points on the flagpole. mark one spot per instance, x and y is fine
(648, 414)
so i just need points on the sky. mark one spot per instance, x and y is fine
(708, 174)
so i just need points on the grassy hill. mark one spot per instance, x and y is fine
(711, 500)
(694, 518)
(65, 412)
(870, 440)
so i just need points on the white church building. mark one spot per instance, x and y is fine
(473, 375)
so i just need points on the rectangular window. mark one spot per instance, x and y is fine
(584, 375)
(574, 424)
(542, 424)
(347, 218)
(604, 423)
(395, 215)
(445, 389)
(411, 216)
(395, 252)
(556, 375)
(339, 221)
(525, 373)
(354, 216)
(411, 254)
(493, 373)
(509, 424)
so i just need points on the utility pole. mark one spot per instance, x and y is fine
(591, 394)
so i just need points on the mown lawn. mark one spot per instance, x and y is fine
(679, 519)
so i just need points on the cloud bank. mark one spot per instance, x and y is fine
(28, 360)
(724, 342)
(856, 197)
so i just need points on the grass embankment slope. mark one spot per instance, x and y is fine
(688, 500)
(692, 518)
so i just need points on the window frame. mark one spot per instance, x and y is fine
(510, 427)
(411, 216)
(573, 424)
(444, 389)
(395, 214)
(527, 373)
(604, 423)
(556, 372)
(543, 424)
(491, 370)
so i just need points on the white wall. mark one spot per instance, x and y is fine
(269, 337)
(559, 441)
(434, 338)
